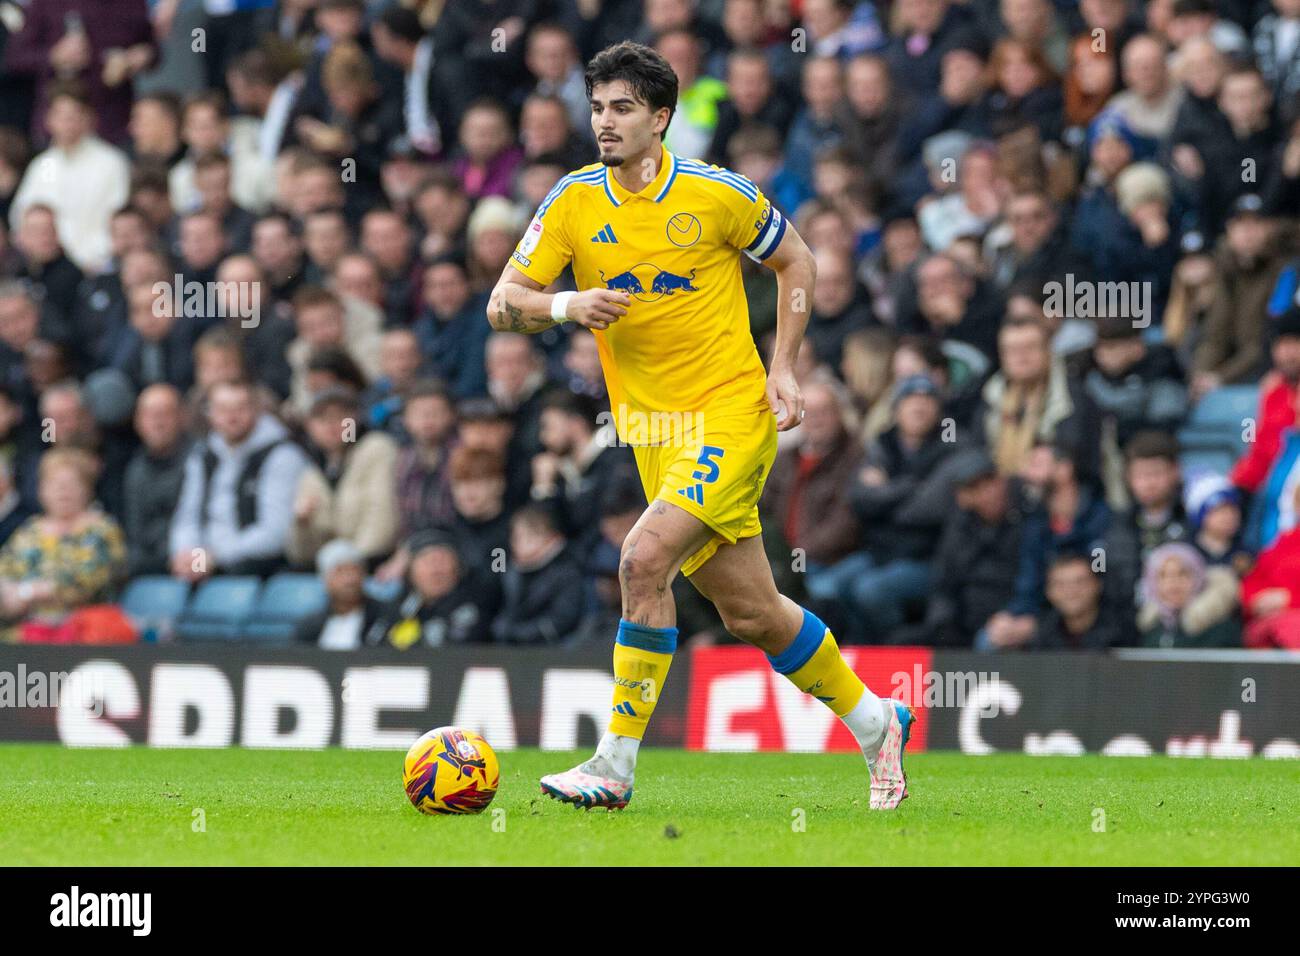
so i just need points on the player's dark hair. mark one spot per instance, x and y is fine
(645, 72)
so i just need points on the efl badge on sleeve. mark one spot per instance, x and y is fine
(531, 237)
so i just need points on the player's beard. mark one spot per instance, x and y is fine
(610, 159)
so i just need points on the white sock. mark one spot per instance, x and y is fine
(869, 721)
(619, 752)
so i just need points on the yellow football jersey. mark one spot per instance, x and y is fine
(684, 349)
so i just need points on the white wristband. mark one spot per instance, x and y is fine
(560, 305)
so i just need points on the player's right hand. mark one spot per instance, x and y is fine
(598, 308)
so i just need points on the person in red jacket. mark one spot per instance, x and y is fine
(1270, 594)
(1279, 398)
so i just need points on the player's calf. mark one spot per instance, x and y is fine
(814, 664)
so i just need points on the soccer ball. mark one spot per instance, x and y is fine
(451, 770)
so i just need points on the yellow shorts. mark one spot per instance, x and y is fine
(717, 474)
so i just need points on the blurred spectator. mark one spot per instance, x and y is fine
(1025, 91)
(1071, 518)
(13, 510)
(70, 554)
(696, 118)
(1213, 508)
(386, 238)
(1185, 603)
(1031, 398)
(236, 503)
(967, 211)
(899, 497)
(351, 612)
(1135, 386)
(444, 600)
(1278, 403)
(807, 494)
(153, 479)
(581, 455)
(82, 178)
(450, 327)
(1077, 619)
(1270, 595)
(922, 31)
(322, 324)
(422, 481)
(1092, 79)
(1035, 248)
(1150, 101)
(552, 59)
(582, 363)
(951, 303)
(517, 384)
(399, 365)
(157, 347)
(542, 587)
(100, 44)
(840, 306)
(1154, 482)
(1243, 137)
(815, 126)
(752, 99)
(47, 269)
(1232, 341)
(976, 562)
(208, 130)
(489, 158)
(347, 491)
(401, 41)
(1275, 37)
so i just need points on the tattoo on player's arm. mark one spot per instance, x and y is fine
(511, 317)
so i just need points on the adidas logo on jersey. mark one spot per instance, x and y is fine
(605, 235)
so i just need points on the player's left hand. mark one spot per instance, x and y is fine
(784, 398)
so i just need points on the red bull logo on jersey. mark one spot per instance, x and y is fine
(646, 282)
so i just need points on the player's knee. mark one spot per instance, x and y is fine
(642, 564)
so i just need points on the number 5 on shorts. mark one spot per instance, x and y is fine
(707, 454)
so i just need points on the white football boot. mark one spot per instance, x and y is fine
(588, 785)
(888, 782)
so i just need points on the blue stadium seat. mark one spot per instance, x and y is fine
(154, 603)
(1215, 423)
(1200, 461)
(219, 609)
(286, 599)
(1225, 407)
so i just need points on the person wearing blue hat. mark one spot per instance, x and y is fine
(1213, 506)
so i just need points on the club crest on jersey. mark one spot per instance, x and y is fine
(646, 282)
(684, 230)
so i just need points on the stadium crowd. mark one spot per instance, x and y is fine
(1051, 364)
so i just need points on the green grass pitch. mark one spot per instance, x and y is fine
(191, 807)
